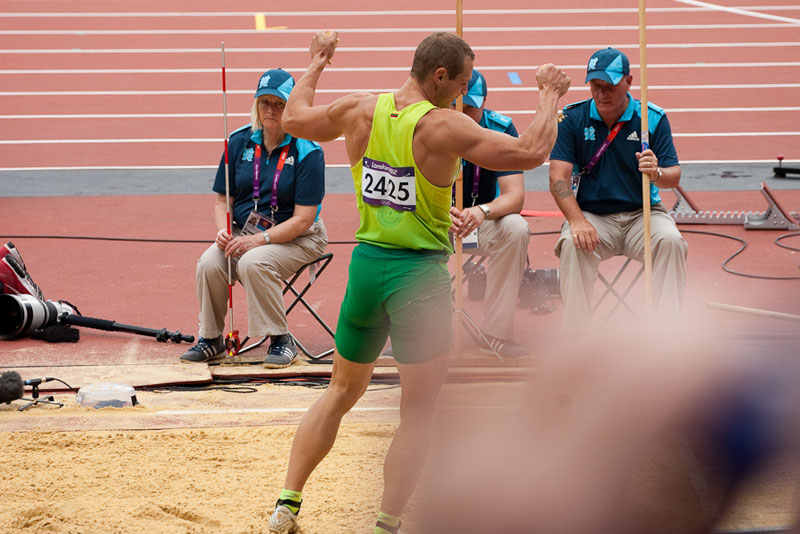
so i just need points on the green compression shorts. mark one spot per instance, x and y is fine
(400, 293)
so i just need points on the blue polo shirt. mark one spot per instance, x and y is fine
(302, 180)
(615, 183)
(487, 186)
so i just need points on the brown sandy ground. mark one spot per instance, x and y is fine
(163, 468)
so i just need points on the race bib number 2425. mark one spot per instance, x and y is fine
(384, 185)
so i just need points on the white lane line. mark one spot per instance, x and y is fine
(734, 134)
(111, 141)
(330, 165)
(669, 111)
(697, 64)
(218, 115)
(126, 168)
(369, 49)
(275, 14)
(473, 29)
(739, 11)
(228, 411)
(726, 109)
(126, 116)
(384, 90)
(219, 140)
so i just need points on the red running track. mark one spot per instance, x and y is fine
(99, 90)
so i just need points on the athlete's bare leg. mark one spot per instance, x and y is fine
(406, 455)
(318, 427)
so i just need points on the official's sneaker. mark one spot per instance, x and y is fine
(282, 352)
(506, 348)
(282, 521)
(206, 350)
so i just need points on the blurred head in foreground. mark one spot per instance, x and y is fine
(626, 434)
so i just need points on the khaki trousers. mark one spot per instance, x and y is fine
(261, 271)
(505, 241)
(622, 234)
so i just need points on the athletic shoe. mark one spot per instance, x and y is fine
(506, 348)
(282, 521)
(205, 351)
(281, 353)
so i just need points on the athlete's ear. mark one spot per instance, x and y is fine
(439, 75)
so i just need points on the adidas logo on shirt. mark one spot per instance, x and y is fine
(289, 160)
(633, 136)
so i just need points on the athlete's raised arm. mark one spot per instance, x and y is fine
(461, 136)
(301, 118)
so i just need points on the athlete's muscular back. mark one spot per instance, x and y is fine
(442, 135)
(355, 114)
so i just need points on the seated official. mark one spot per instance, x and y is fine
(600, 191)
(493, 227)
(276, 182)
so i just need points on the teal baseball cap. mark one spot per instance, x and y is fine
(275, 82)
(476, 90)
(609, 65)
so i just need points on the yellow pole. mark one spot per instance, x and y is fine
(648, 254)
(459, 278)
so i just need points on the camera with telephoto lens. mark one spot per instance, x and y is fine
(20, 315)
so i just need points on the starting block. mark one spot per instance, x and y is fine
(775, 217)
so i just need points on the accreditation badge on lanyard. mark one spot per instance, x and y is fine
(258, 222)
(384, 185)
(471, 239)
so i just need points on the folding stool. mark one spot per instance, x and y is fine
(315, 269)
(610, 289)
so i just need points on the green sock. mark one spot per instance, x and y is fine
(292, 499)
(386, 520)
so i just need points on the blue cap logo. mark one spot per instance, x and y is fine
(275, 82)
(609, 65)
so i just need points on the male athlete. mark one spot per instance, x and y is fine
(404, 149)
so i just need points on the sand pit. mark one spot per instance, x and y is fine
(213, 462)
(218, 472)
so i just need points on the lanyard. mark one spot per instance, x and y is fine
(611, 135)
(476, 181)
(256, 177)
